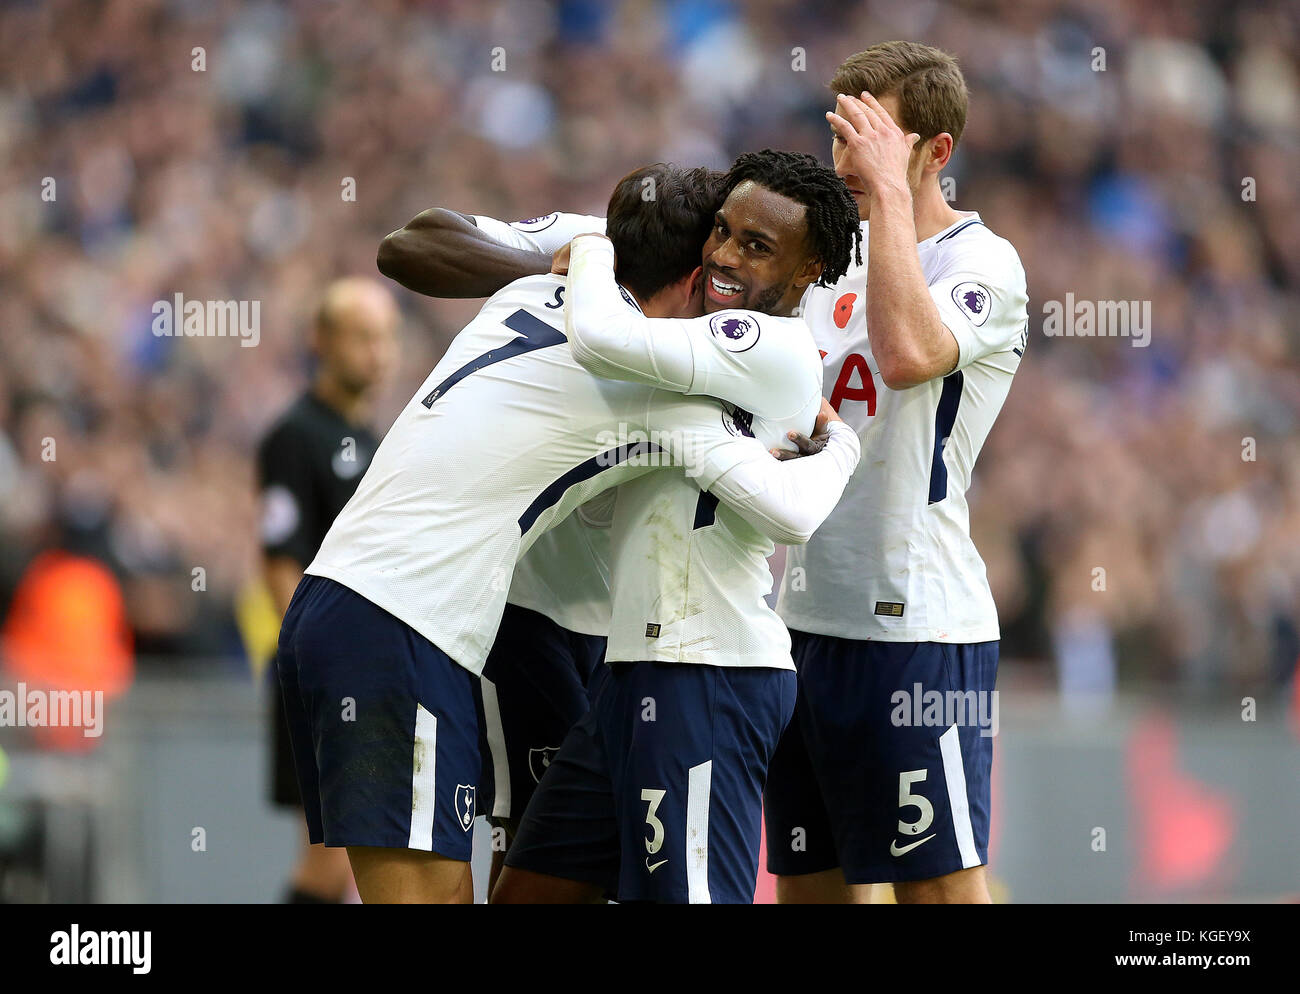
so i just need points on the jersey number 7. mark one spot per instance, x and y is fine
(534, 333)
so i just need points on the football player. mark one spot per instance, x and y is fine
(656, 794)
(891, 597)
(382, 646)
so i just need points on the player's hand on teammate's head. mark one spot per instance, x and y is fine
(560, 261)
(820, 436)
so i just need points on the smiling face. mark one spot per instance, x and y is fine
(757, 256)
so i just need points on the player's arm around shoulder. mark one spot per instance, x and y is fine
(745, 358)
(767, 365)
(608, 334)
(445, 253)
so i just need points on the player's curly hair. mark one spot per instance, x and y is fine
(833, 224)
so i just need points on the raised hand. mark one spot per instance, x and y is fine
(879, 150)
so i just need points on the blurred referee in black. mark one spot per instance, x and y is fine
(308, 465)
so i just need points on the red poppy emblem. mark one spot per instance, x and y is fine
(844, 309)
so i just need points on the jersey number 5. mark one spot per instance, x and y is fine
(534, 333)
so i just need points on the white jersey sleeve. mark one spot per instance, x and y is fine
(983, 301)
(540, 234)
(762, 363)
(785, 500)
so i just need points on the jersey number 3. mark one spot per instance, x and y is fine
(534, 333)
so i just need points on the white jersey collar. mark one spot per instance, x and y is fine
(967, 217)
(629, 298)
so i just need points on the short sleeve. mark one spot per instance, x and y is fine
(985, 308)
(758, 361)
(287, 495)
(548, 233)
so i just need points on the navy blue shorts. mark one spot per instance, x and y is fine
(534, 690)
(384, 726)
(884, 770)
(656, 793)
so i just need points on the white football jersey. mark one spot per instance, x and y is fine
(895, 560)
(689, 580)
(690, 577)
(565, 575)
(548, 233)
(503, 440)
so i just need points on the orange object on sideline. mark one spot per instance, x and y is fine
(67, 630)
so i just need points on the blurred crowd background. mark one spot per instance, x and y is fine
(1174, 469)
